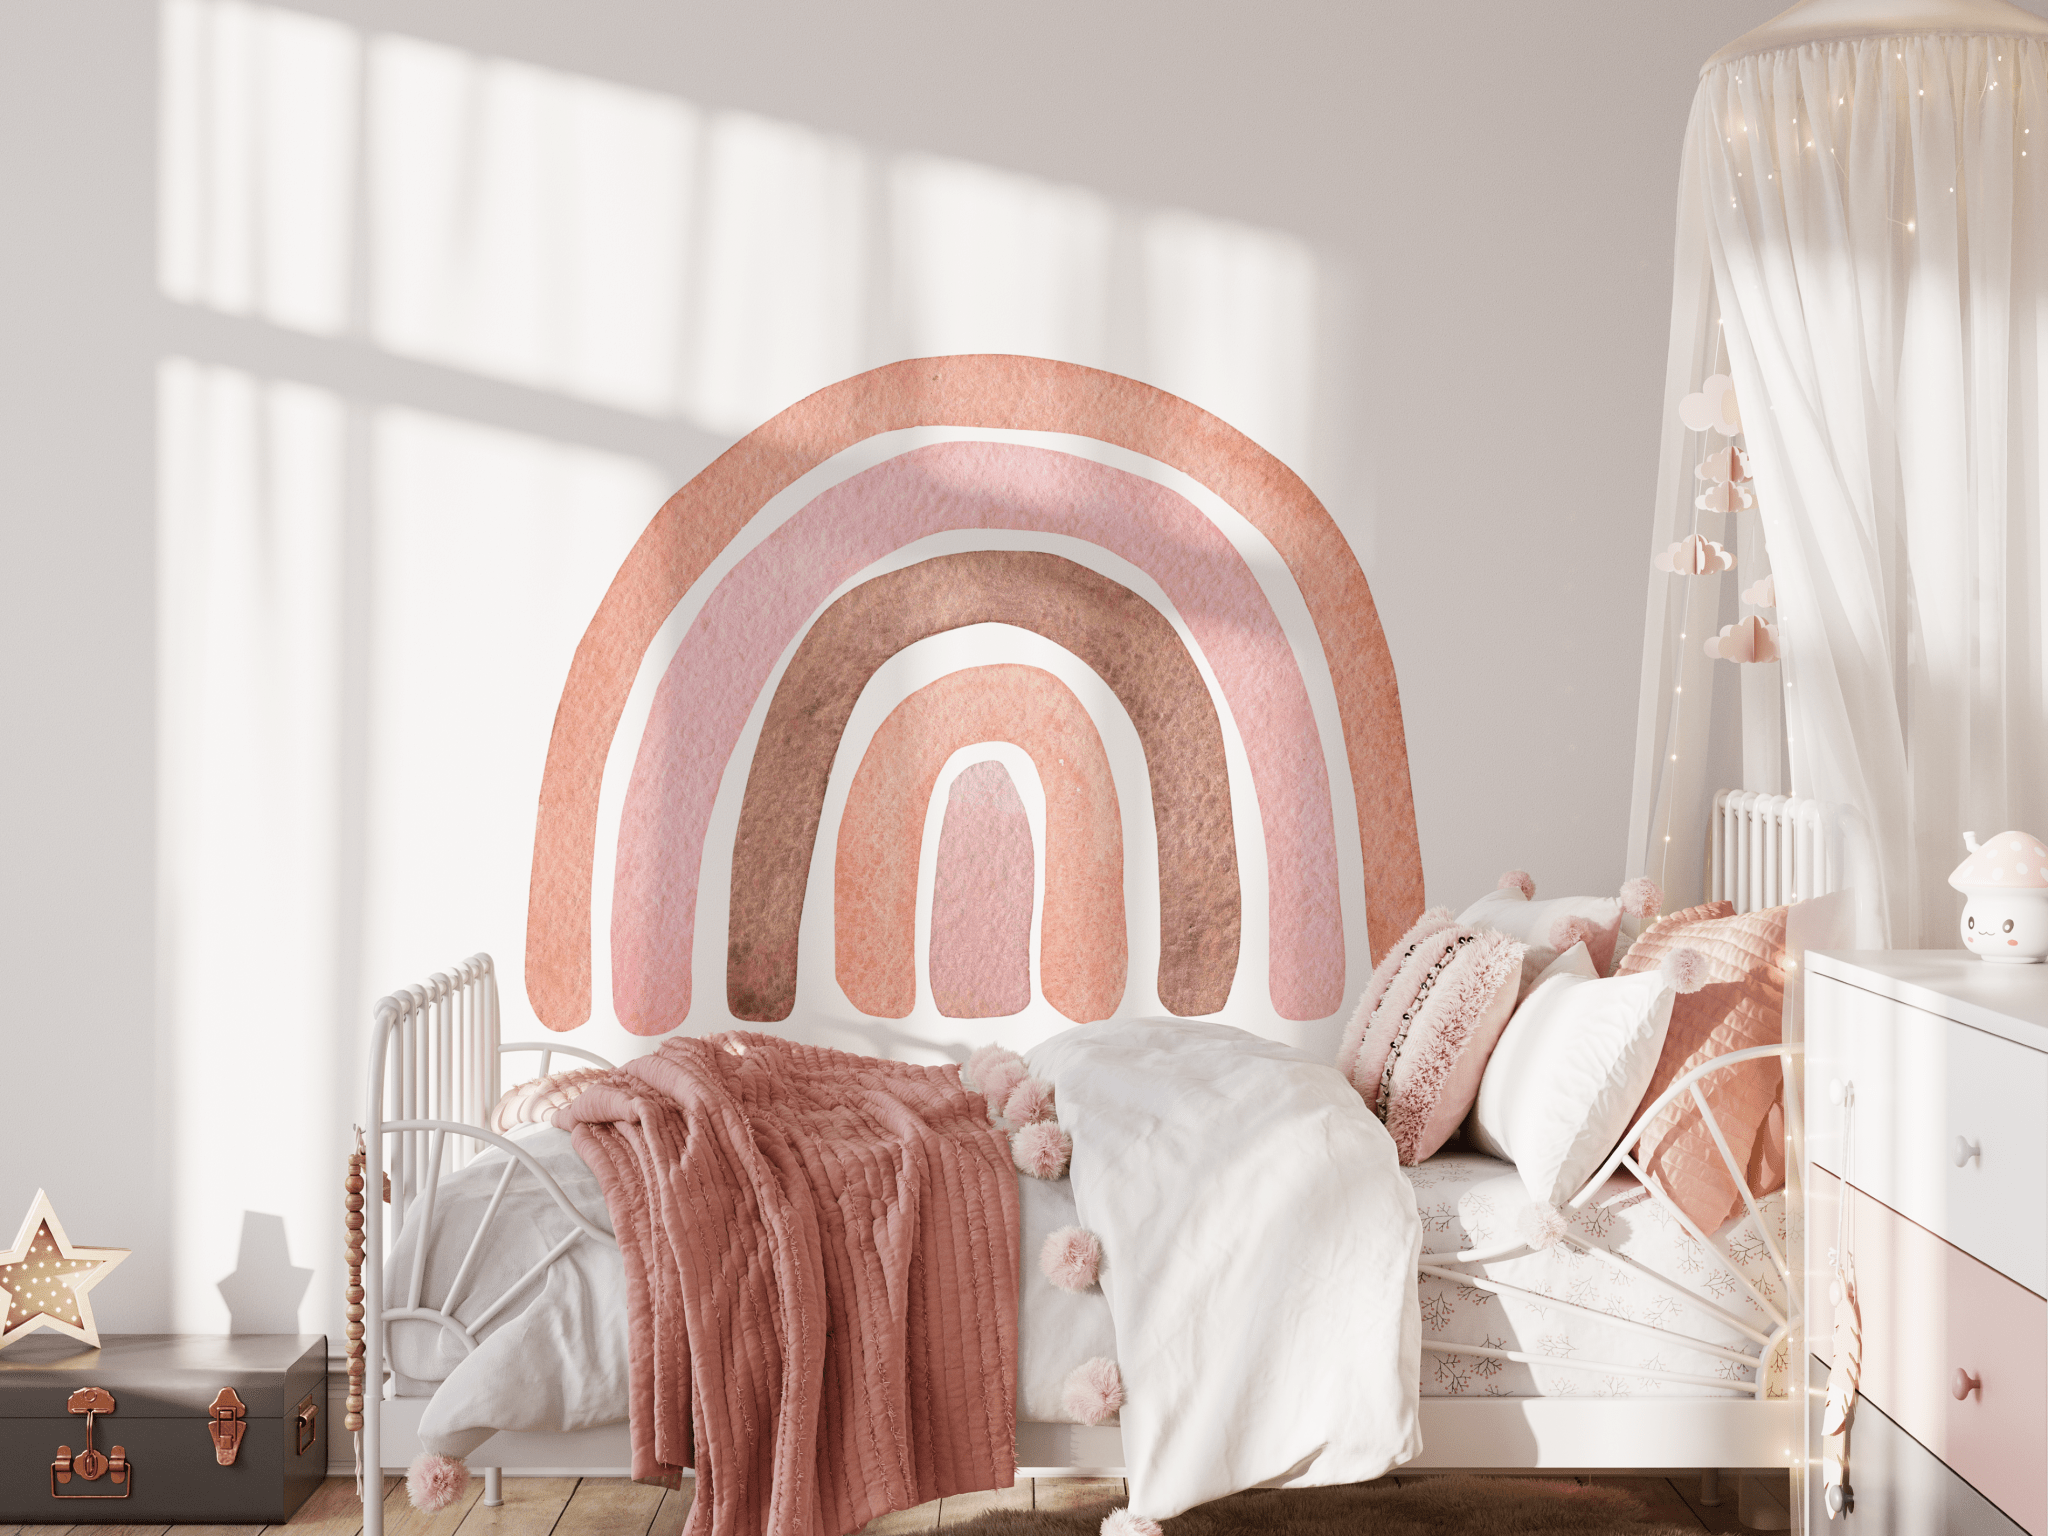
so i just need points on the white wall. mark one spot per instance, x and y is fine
(346, 349)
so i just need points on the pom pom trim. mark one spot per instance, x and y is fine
(434, 1482)
(1071, 1258)
(1093, 1391)
(1685, 968)
(1029, 1102)
(1570, 929)
(1518, 880)
(1641, 899)
(1042, 1150)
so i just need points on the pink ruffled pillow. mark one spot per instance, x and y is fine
(1417, 1046)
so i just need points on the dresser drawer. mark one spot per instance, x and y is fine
(1929, 1310)
(1902, 1488)
(1921, 1084)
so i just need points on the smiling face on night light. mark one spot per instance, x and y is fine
(2003, 925)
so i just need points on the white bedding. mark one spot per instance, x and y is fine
(1259, 1253)
(1469, 1201)
(555, 1357)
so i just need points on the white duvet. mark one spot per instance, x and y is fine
(1258, 1289)
(1259, 1246)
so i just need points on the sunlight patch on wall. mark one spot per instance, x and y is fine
(989, 261)
(1231, 325)
(527, 224)
(640, 251)
(491, 550)
(257, 162)
(250, 670)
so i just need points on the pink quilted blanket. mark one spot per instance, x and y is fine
(821, 1277)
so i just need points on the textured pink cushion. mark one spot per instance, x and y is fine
(535, 1102)
(1431, 1015)
(1741, 1005)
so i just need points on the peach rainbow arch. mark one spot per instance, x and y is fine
(979, 393)
(1083, 945)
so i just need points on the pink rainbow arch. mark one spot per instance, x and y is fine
(982, 898)
(972, 392)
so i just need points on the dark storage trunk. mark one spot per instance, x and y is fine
(164, 1388)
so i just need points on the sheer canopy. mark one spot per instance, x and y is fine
(1863, 247)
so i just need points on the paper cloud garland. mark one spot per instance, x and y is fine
(1723, 465)
(1761, 593)
(1713, 408)
(1726, 496)
(1694, 556)
(1749, 639)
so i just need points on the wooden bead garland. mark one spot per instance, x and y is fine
(353, 1200)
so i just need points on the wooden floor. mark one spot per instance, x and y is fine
(567, 1506)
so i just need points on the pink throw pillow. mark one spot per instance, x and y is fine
(1741, 1004)
(1431, 1015)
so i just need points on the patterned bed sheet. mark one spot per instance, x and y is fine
(1468, 1201)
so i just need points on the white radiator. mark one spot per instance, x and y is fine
(1772, 849)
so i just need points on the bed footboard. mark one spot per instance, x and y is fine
(434, 1078)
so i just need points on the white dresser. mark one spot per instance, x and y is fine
(1926, 1087)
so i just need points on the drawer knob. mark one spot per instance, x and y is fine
(1965, 1384)
(1967, 1151)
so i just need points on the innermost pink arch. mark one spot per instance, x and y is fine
(980, 962)
(730, 649)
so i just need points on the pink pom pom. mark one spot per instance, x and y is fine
(1518, 880)
(971, 1075)
(1071, 1258)
(1569, 930)
(1641, 899)
(1042, 1150)
(434, 1482)
(999, 1079)
(1685, 968)
(1093, 1391)
(1029, 1102)
(1121, 1522)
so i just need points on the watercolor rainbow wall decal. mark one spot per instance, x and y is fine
(968, 685)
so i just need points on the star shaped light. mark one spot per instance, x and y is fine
(44, 1278)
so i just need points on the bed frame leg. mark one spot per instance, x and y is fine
(1710, 1487)
(494, 1487)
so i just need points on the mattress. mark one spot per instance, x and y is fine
(1580, 1301)
(554, 1353)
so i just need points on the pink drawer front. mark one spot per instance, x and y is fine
(1929, 1310)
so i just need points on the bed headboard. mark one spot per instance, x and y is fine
(975, 687)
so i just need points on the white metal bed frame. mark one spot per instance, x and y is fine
(434, 1075)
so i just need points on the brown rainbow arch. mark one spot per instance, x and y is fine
(1115, 632)
(982, 898)
(973, 392)
(1083, 950)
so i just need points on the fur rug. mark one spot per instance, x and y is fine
(1434, 1506)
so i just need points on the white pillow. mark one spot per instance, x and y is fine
(1570, 1072)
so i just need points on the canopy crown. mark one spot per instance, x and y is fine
(1830, 21)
